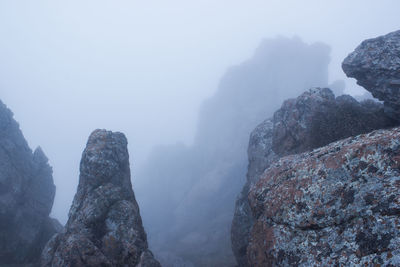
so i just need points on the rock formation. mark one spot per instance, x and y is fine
(104, 226)
(260, 155)
(26, 196)
(337, 205)
(312, 120)
(317, 118)
(375, 64)
(191, 220)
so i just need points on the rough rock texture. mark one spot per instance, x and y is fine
(337, 205)
(104, 226)
(312, 120)
(317, 118)
(375, 64)
(26, 196)
(260, 156)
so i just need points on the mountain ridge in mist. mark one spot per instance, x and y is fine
(193, 188)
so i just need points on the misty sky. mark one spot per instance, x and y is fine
(144, 67)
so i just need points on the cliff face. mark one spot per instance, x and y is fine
(26, 196)
(104, 226)
(337, 204)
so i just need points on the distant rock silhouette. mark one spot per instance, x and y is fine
(26, 196)
(191, 220)
(104, 226)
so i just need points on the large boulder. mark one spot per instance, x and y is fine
(26, 196)
(314, 119)
(375, 64)
(104, 227)
(338, 205)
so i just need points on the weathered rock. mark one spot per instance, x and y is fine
(317, 118)
(337, 205)
(375, 64)
(104, 226)
(26, 196)
(312, 120)
(260, 156)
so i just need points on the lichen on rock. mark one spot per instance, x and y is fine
(375, 64)
(104, 227)
(260, 156)
(314, 119)
(335, 205)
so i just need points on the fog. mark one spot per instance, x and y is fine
(147, 68)
(193, 188)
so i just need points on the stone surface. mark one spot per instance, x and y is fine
(26, 196)
(104, 226)
(312, 120)
(260, 156)
(336, 205)
(317, 118)
(375, 64)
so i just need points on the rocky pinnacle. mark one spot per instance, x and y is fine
(104, 226)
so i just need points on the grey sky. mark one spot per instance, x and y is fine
(144, 67)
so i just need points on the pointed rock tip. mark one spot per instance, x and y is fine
(99, 138)
(39, 156)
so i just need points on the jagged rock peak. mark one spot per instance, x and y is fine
(375, 64)
(26, 196)
(39, 157)
(104, 226)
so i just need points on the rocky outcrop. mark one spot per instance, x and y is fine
(375, 64)
(337, 205)
(104, 226)
(314, 119)
(317, 118)
(26, 196)
(260, 156)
